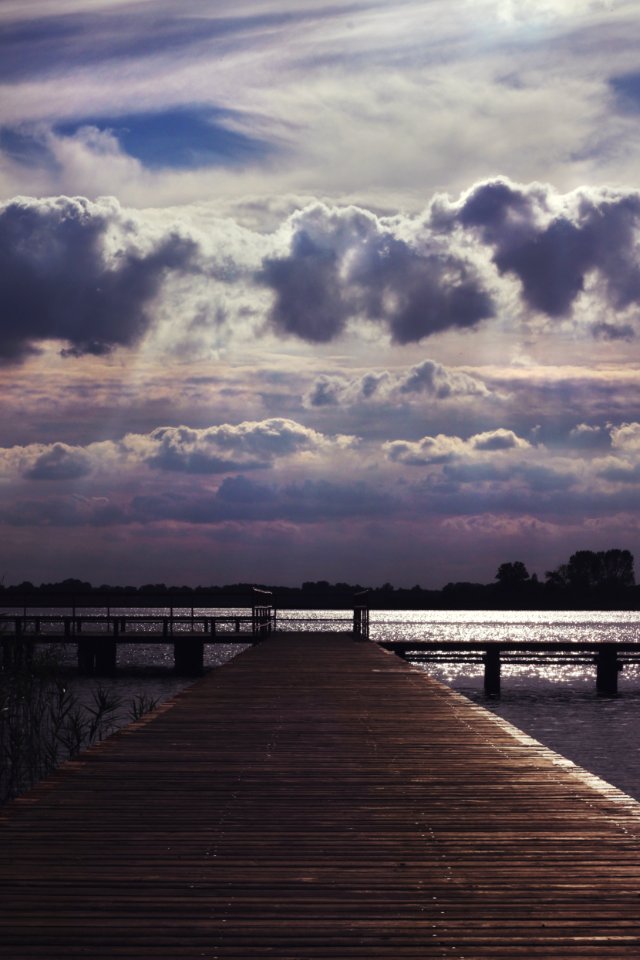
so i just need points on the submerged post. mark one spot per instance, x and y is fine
(492, 667)
(607, 669)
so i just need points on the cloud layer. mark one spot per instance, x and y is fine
(95, 276)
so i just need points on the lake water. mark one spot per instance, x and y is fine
(556, 704)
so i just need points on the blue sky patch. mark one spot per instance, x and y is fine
(180, 138)
(627, 89)
(177, 138)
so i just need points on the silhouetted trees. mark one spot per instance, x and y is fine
(511, 575)
(588, 580)
(588, 570)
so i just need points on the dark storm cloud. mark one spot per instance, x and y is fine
(552, 243)
(59, 279)
(342, 264)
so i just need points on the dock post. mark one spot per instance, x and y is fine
(188, 656)
(86, 657)
(105, 655)
(361, 623)
(492, 670)
(607, 668)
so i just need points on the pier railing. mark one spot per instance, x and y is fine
(98, 635)
(609, 659)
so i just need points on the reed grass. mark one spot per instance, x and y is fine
(44, 721)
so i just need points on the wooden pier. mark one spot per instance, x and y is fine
(97, 637)
(609, 659)
(319, 798)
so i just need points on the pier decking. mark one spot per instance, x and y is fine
(317, 797)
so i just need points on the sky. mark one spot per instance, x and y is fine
(305, 289)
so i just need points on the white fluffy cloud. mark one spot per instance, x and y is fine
(427, 380)
(444, 449)
(219, 449)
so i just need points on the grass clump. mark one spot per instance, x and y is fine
(44, 721)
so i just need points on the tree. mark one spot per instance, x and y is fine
(512, 574)
(617, 568)
(591, 570)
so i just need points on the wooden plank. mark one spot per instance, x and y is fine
(318, 798)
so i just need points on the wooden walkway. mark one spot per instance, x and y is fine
(319, 798)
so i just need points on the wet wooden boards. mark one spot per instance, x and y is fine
(319, 798)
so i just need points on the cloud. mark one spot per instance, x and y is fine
(248, 445)
(554, 243)
(429, 450)
(94, 276)
(59, 462)
(445, 449)
(498, 440)
(341, 264)
(242, 499)
(77, 271)
(613, 331)
(626, 438)
(426, 380)
(586, 436)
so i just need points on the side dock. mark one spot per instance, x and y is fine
(317, 797)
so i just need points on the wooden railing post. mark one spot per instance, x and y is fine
(360, 616)
(188, 655)
(361, 623)
(261, 620)
(607, 669)
(492, 670)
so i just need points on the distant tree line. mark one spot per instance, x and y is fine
(589, 580)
